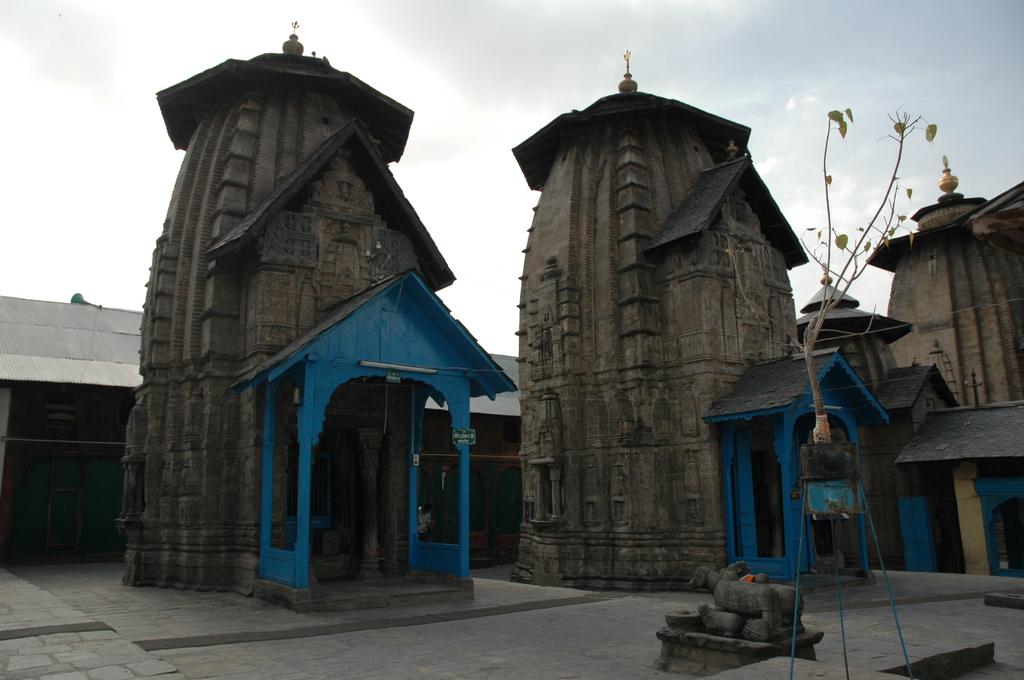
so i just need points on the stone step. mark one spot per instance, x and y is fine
(802, 670)
(1008, 600)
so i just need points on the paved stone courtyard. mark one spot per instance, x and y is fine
(89, 627)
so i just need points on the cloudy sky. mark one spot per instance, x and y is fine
(88, 168)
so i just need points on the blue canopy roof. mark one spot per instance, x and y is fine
(398, 321)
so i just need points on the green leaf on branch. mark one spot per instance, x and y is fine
(867, 246)
(910, 192)
(842, 129)
(930, 132)
(828, 179)
(841, 241)
(900, 127)
(900, 218)
(849, 114)
(836, 116)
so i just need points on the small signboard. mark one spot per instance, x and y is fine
(393, 377)
(463, 435)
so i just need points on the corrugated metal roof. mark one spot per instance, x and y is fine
(59, 342)
(504, 404)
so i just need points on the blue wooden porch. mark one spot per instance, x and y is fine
(763, 421)
(399, 335)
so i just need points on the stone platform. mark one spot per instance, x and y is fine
(1008, 600)
(700, 653)
(348, 595)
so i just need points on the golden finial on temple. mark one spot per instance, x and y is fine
(948, 182)
(292, 45)
(628, 85)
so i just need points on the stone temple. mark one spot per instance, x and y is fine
(655, 274)
(252, 453)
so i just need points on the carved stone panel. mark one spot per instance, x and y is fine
(391, 253)
(340, 190)
(290, 239)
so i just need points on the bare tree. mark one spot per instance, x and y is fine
(844, 256)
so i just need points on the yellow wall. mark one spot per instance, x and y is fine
(972, 522)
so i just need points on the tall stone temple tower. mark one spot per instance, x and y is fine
(964, 297)
(283, 207)
(655, 274)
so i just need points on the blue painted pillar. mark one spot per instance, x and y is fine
(458, 407)
(417, 402)
(727, 439)
(309, 428)
(745, 494)
(267, 484)
(793, 474)
(792, 512)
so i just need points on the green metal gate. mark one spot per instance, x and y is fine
(66, 506)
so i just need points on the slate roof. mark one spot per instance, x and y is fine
(1001, 220)
(537, 154)
(828, 290)
(391, 202)
(991, 431)
(770, 385)
(184, 104)
(887, 256)
(850, 320)
(702, 206)
(903, 386)
(59, 342)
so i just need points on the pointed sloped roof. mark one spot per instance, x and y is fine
(701, 207)
(537, 154)
(902, 386)
(390, 202)
(775, 386)
(845, 317)
(1001, 220)
(845, 299)
(184, 104)
(406, 295)
(967, 433)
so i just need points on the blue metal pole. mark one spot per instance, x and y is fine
(415, 434)
(459, 409)
(267, 483)
(307, 422)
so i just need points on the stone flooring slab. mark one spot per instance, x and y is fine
(509, 631)
(69, 646)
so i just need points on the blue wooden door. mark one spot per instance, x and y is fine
(916, 527)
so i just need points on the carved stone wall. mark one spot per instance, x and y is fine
(196, 444)
(965, 299)
(622, 355)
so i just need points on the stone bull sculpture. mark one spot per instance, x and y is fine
(751, 620)
(752, 608)
(706, 577)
